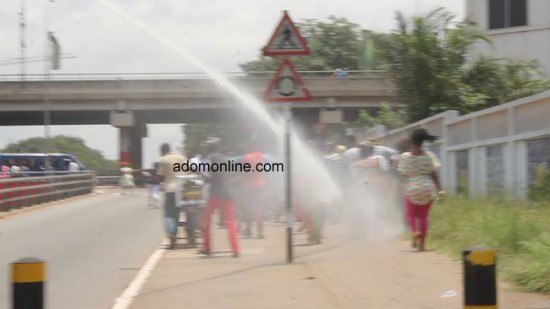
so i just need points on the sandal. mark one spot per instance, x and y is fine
(416, 240)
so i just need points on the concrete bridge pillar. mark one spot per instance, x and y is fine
(124, 141)
(131, 133)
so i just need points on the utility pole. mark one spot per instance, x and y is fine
(46, 103)
(23, 43)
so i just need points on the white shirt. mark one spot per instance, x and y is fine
(200, 159)
(205, 187)
(351, 155)
(73, 167)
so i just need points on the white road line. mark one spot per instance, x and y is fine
(125, 300)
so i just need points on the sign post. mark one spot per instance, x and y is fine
(287, 87)
(288, 188)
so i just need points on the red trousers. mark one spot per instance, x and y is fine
(228, 209)
(417, 217)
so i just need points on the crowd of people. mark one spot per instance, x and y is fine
(26, 168)
(369, 176)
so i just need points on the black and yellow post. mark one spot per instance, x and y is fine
(28, 279)
(480, 286)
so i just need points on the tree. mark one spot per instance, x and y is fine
(503, 80)
(91, 158)
(428, 59)
(386, 116)
(334, 43)
(231, 135)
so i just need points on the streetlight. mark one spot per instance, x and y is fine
(47, 67)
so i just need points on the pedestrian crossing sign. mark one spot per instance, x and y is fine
(287, 86)
(286, 40)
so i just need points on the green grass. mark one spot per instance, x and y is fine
(519, 231)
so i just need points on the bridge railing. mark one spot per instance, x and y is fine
(177, 75)
(18, 192)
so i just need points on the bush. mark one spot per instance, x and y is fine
(519, 231)
(540, 191)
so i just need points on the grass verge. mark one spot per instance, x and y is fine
(519, 231)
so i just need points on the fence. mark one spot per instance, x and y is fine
(20, 192)
(492, 150)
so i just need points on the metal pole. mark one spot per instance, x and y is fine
(23, 43)
(46, 105)
(288, 189)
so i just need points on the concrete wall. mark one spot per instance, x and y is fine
(527, 42)
(489, 150)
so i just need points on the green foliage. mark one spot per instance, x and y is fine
(520, 232)
(427, 58)
(261, 65)
(386, 116)
(335, 43)
(531, 269)
(231, 135)
(540, 191)
(503, 80)
(91, 158)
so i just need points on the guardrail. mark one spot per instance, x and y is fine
(27, 191)
(177, 75)
(107, 180)
(113, 179)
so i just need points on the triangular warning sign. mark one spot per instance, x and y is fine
(287, 86)
(286, 40)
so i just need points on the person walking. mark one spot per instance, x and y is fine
(193, 213)
(168, 185)
(254, 186)
(154, 187)
(126, 179)
(421, 185)
(220, 196)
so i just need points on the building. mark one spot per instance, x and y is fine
(518, 28)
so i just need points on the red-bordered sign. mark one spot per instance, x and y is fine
(286, 40)
(287, 86)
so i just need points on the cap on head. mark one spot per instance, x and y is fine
(340, 149)
(212, 144)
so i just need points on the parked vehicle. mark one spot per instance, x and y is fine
(37, 162)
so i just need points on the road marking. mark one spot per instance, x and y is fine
(125, 300)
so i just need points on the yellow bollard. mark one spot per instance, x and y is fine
(28, 280)
(480, 287)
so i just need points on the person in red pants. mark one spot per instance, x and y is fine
(255, 189)
(219, 197)
(421, 185)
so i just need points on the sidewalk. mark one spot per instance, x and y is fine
(336, 274)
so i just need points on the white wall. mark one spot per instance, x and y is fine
(528, 42)
(508, 125)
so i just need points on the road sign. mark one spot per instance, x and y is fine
(286, 40)
(287, 86)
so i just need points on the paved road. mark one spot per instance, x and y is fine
(93, 246)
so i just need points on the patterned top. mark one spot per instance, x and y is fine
(419, 186)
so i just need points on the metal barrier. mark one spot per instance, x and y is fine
(178, 75)
(108, 180)
(26, 191)
(111, 178)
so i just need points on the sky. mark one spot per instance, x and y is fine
(221, 33)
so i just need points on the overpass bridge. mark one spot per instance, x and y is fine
(130, 101)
